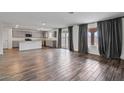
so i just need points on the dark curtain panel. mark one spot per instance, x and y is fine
(110, 38)
(54, 33)
(70, 30)
(82, 44)
(54, 42)
(44, 36)
(59, 37)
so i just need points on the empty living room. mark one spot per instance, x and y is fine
(61, 46)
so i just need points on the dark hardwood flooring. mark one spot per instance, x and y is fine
(58, 65)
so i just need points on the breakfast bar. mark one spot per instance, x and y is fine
(28, 45)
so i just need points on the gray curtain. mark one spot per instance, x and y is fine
(70, 30)
(54, 34)
(54, 42)
(110, 38)
(82, 44)
(59, 37)
(44, 36)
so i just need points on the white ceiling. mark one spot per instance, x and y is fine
(53, 19)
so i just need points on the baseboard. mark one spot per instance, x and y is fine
(94, 53)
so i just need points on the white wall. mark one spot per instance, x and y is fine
(75, 37)
(122, 55)
(7, 37)
(1, 42)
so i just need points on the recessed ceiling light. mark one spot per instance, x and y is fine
(17, 26)
(43, 24)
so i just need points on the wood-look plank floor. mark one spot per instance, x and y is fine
(58, 65)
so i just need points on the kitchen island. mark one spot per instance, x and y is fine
(28, 45)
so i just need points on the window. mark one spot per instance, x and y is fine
(65, 39)
(93, 39)
(50, 34)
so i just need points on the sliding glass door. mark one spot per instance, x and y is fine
(93, 39)
(65, 39)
